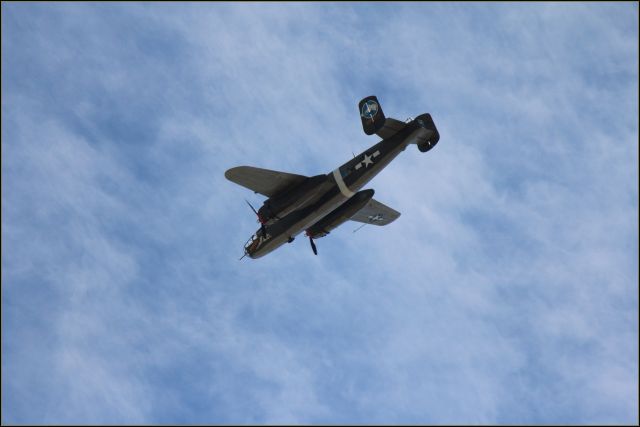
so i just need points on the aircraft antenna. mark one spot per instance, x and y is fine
(359, 227)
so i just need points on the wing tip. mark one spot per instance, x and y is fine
(232, 173)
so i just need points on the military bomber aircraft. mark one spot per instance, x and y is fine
(320, 203)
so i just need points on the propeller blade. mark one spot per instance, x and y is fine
(313, 246)
(254, 211)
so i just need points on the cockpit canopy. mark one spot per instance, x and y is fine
(252, 244)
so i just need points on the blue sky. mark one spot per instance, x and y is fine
(507, 292)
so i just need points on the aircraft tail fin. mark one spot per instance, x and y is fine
(371, 115)
(430, 138)
(374, 120)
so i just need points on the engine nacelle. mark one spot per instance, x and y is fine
(340, 215)
(287, 201)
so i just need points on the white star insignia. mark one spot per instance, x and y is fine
(367, 161)
(377, 217)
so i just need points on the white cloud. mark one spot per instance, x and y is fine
(504, 293)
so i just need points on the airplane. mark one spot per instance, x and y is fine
(318, 204)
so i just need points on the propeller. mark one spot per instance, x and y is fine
(313, 246)
(252, 208)
(262, 228)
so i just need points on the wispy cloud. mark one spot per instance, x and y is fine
(506, 293)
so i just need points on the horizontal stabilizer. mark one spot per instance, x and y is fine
(264, 181)
(390, 128)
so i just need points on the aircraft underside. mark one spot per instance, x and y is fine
(321, 203)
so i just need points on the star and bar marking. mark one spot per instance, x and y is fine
(376, 217)
(367, 160)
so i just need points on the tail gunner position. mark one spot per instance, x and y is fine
(318, 204)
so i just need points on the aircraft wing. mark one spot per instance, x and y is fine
(264, 181)
(376, 213)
